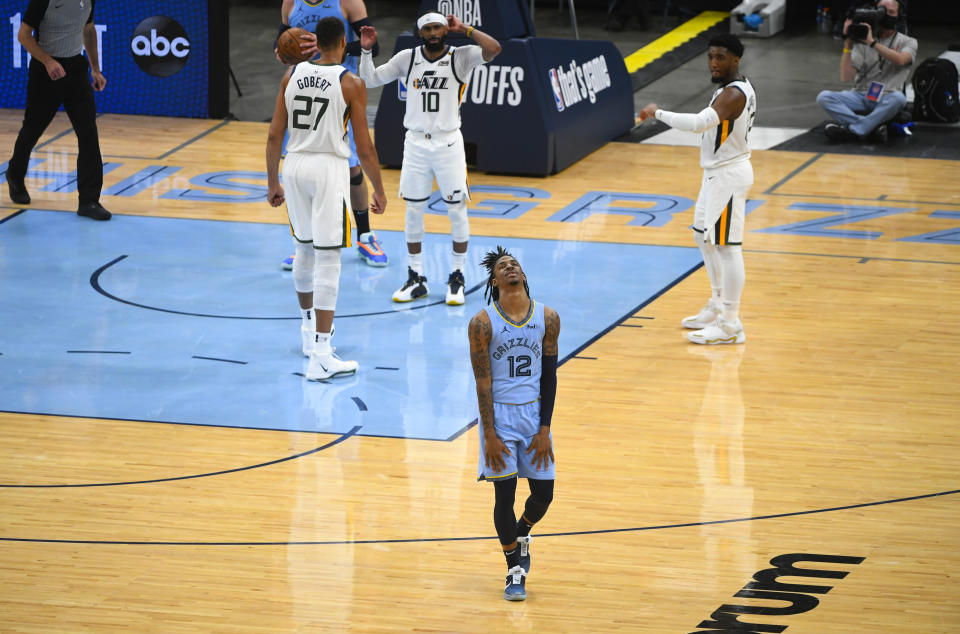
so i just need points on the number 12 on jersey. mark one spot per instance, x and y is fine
(519, 366)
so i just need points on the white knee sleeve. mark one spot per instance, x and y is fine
(414, 226)
(731, 266)
(326, 280)
(711, 262)
(303, 267)
(459, 225)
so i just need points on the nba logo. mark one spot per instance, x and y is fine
(555, 84)
(401, 90)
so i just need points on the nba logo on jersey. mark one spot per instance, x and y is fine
(401, 90)
(557, 95)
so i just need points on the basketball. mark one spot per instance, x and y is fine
(288, 46)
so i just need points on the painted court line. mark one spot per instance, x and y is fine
(669, 41)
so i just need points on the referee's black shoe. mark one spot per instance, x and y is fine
(18, 191)
(93, 210)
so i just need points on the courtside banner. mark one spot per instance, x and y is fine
(154, 54)
(501, 19)
(588, 94)
(537, 108)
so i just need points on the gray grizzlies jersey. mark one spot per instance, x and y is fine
(516, 351)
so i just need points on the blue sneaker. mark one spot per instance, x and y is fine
(287, 264)
(514, 590)
(524, 543)
(368, 248)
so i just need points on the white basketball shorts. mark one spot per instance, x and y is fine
(317, 188)
(441, 156)
(720, 211)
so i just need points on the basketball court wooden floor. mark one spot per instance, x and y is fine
(164, 470)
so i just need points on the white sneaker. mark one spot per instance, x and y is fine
(324, 366)
(455, 289)
(414, 287)
(720, 331)
(707, 315)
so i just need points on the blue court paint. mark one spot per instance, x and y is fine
(948, 236)
(144, 179)
(481, 207)
(656, 215)
(241, 373)
(843, 215)
(65, 183)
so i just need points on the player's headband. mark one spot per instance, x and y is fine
(431, 18)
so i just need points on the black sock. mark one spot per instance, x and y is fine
(362, 218)
(523, 529)
(513, 557)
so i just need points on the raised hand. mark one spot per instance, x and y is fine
(455, 24)
(368, 37)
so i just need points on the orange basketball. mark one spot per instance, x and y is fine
(288, 46)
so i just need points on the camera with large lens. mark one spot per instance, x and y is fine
(862, 16)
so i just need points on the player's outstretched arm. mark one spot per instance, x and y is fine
(699, 122)
(480, 333)
(278, 126)
(355, 94)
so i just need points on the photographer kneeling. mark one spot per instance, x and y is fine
(880, 65)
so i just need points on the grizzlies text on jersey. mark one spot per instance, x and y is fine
(516, 351)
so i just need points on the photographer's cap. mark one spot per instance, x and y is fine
(431, 18)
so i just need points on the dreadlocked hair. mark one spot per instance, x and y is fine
(490, 262)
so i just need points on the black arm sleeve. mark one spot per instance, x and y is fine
(548, 389)
(283, 27)
(353, 48)
(93, 5)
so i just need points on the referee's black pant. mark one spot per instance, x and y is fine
(44, 98)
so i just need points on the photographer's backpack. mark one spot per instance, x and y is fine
(935, 91)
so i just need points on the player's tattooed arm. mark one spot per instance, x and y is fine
(552, 334)
(480, 332)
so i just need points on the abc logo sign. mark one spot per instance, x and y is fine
(160, 46)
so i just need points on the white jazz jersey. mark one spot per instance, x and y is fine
(434, 93)
(727, 143)
(317, 113)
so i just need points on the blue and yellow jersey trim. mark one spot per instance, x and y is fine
(533, 308)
